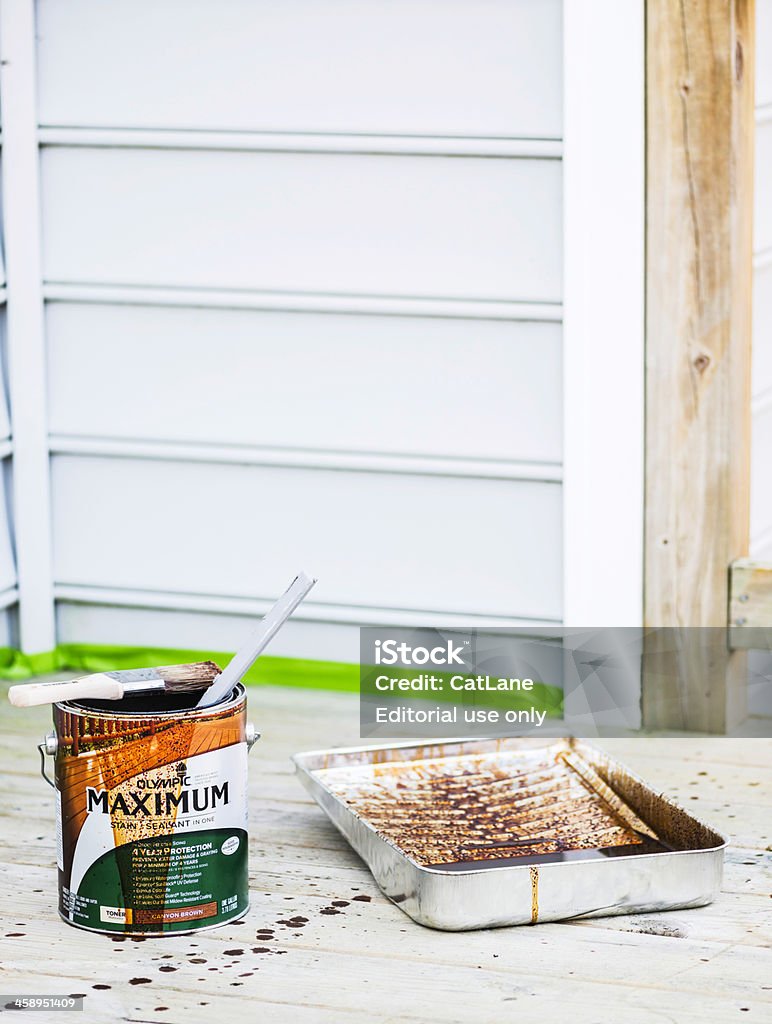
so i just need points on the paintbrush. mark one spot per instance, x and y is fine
(115, 685)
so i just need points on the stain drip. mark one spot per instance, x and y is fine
(534, 894)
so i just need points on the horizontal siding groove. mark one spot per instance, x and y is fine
(303, 302)
(309, 611)
(761, 403)
(296, 142)
(9, 597)
(290, 458)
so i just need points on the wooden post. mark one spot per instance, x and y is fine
(700, 128)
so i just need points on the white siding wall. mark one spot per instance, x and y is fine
(329, 223)
(8, 589)
(332, 339)
(303, 277)
(391, 67)
(761, 477)
(344, 373)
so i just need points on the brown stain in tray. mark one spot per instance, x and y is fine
(483, 807)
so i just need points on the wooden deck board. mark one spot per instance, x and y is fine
(370, 961)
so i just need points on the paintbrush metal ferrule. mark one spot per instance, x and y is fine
(148, 686)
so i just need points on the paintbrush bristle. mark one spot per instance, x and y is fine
(195, 676)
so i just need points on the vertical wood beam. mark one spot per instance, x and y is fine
(26, 341)
(700, 129)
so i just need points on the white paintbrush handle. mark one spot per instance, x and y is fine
(259, 639)
(96, 687)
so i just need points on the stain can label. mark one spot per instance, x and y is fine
(153, 814)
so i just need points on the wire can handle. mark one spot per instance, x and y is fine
(48, 746)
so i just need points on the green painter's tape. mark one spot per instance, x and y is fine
(15, 665)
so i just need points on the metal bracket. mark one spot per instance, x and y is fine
(750, 605)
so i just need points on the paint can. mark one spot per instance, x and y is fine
(151, 801)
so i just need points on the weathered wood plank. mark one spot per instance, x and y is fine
(638, 968)
(364, 943)
(700, 129)
(388, 991)
(297, 872)
(742, 918)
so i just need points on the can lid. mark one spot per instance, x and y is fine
(158, 704)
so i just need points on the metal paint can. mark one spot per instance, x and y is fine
(151, 801)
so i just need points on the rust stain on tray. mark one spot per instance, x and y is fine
(534, 894)
(483, 807)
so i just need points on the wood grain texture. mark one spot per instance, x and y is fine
(700, 129)
(369, 960)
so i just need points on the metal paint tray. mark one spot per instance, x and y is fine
(485, 833)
